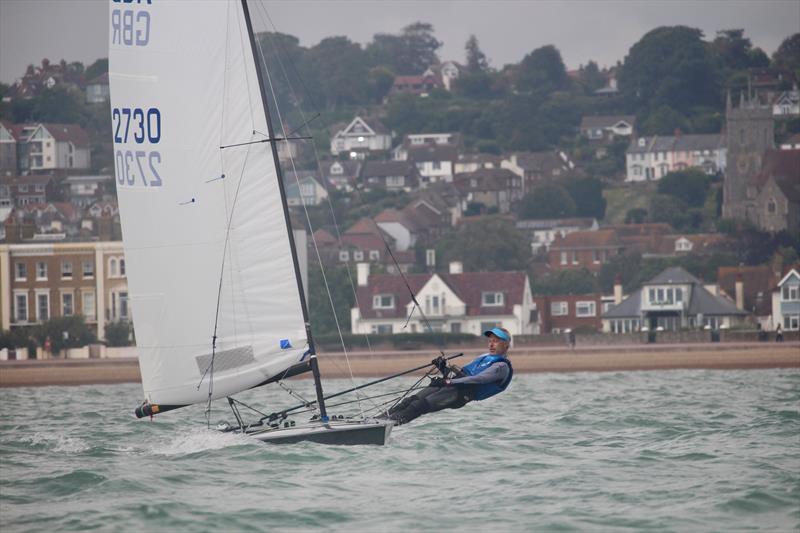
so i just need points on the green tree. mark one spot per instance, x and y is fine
(341, 292)
(340, 69)
(587, 193)
(670, 66)
(691, 186)
(591, 77)
(542, 72)
(379, 81)
(788, 54)
(64, 332)
(119, 333)
(636, 215)
(476, 59)
(664, 121)
(409, 53)
(547, 201)
(96, 69)
(489, 244)
(566, 282)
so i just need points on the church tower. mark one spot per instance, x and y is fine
(750, 133)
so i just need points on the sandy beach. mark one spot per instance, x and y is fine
(377, 364)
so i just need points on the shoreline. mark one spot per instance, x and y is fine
(526, 359)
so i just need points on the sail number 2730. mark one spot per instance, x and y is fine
(137, 167)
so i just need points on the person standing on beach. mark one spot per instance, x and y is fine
(778, 334)
(484, 377)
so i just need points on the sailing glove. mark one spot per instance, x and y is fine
(440, 363)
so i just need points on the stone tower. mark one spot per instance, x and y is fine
(750, 133)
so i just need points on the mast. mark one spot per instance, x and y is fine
(292, 246)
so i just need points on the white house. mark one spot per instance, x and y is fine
(652, 158)
(607, 127)
(457, 302)
(304, 189)
(787, 103)
(786, 302)
(542, 233)
(361, 136)
(58, 146)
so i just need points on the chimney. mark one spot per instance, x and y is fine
(739, 291)
(617, 290)
(456, 267)
(362, 274)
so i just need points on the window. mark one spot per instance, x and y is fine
(41, 271)
(374, 255)
(88, 269)
(344, 255)
(659, 295)
(771, 207)
(382, 329)
(121, 267)
(383, 301)
(395, 181)
(66, 269)
(678, 295)
(42, 306)
(123, 305)
(574, 257)
(88, 306)
(489, 299)
(711, 321)
(558, 308)
(563, 258)
(112, 268)
(455, 327)
(790, 293)
(585, 309)
(67, 304)
(791, 322)
(595, 256)
(21, 272)
(437, 165)
(21, 307)
(358, 255)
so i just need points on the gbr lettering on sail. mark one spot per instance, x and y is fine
(136, 129)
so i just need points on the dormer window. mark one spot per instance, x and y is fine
(642, 142)
(492, 299)
(383, 301)
(771, 206)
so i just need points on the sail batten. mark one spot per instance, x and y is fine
(178, 89)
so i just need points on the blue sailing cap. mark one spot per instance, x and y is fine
(499, 333)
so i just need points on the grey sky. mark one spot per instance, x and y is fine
(75, 30)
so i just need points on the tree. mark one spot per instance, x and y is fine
(339, 67)
(788, 54)
(542, 71)
(409, 53)
(476, 59)
(64, 332)
(670, 66)
(591, 77)
(636, 215)
(566, 282)
(547, 201)
(96, 69)
(379, 81)
(691, 186)
(664, 121)
(489, 244)
(119, 333)
(587, 193)
(341, 292)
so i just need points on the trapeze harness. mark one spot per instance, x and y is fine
(487, 390)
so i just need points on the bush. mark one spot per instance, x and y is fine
(119, 333)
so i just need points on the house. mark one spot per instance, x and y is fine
(607, 127)
(57, 146)
(495, 189)
(446, 72)
(8, 149)
(559, 313)
(787, 103)
(303, 188)
(359, 137)
(365, 241)
(97, 90)
(434, 213)
(584, 249)
(652, 158)
(534, 167)
(434, 162)
(341, 175)
(389, 175)
(786, 301)
(776, 206)
(473, 162)
(83, 191)
(27, 190)
(415, 85)
(751, 288)
(673, 245)
(543, 232)
(671, 301)
(457, 302)
(401, 226)
(415, 140)
(40, 281)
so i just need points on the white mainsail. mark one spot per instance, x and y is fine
(183, 83)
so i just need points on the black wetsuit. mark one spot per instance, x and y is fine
(453, 396)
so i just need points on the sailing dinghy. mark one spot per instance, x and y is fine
(212, 268)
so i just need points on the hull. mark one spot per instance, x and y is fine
(341, 432)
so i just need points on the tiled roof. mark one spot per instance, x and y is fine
(784, 167)
(553, 223)
(708, 304)
(679, 143)
(602, 238)
(606, 121)
(383, 169)
(673, 276)
(757, 284)
(68, 133)
(630, 307)
(468, 286)
(393, 215)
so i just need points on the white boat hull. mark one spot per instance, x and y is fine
(343, 432)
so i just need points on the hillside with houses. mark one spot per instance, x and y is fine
(660, 194)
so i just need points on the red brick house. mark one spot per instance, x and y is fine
(584, 249)
(558, 313)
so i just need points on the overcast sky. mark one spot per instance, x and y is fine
(76, 30)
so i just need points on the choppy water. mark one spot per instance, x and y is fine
(667, 451)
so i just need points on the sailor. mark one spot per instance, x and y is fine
(484, 377)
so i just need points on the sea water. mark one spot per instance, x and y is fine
(682, 450)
